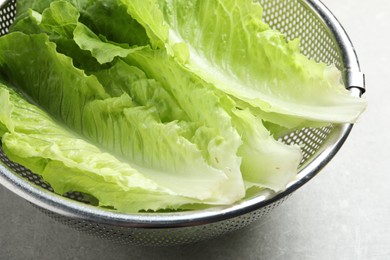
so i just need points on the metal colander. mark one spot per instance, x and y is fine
(322, 38)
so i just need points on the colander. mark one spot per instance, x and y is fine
(322, 38)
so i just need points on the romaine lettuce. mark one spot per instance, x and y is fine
(227, 44)
(70, 163)
(162, 151)
(159, 104)
(280, 161)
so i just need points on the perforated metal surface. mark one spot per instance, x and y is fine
(310, 140)
(164, 236)
(295, 19)
(7, 14)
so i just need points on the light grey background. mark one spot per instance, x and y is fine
(343, 213)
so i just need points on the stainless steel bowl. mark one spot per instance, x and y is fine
(322, 38)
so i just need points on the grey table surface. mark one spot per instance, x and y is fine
(343, 213)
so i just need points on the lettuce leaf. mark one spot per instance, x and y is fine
(265, 162)
(135, 133)
(109, 18)
(227, 44)
(272, 173)
(102, 51)
(70, 163)
(125, 121)
(181, 82)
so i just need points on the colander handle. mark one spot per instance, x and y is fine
(356, 81)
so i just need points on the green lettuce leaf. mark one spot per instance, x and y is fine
(36, 5)
(103, 52)
(197, 99)
(265, 161)
(5, 113)
(258, 148)
(69, 163)
(40, 5)
(162, 151)
(59, 21)
(148, 14)
(50, 77)
(109, 18)
(122, 78)
(159, 150)
(228, 45)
